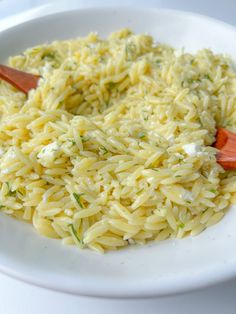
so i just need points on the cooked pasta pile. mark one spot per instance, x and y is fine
(114, 146)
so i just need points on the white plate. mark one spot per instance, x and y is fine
(156, 269)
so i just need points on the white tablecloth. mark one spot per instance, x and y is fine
(21, 298)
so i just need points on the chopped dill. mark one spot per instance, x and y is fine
(72, 141)
(103, 150)
(103, 59)
(10, 192)
(77, 198)
(190, 80)
(130, 50)
(111, 85)
(207, 77)
(49, 56)
(75, 234)
(84, 139)
(213, 190)
(107, 104)
(141, 135)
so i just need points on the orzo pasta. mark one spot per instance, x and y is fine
(114, 146)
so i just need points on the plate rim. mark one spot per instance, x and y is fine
(150, 290)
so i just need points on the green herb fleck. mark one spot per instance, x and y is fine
(189, 202)
(1, 207)
(158, 61)
(207, 77)
(75, 234)
(181, 225)
(103, 59)
(130, 50)
(178, 176)
(145, 115)
(213, 190)
(72, 141)
(155, 169)
(10, 192)
(48, 56)
(141, 135)
(140, 191)
(103, 150)
(111, 85)
(84, 139)
(77, 198)
(190, 81)
(192, 61)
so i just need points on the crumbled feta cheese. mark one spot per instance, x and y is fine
(187, 196)
(151, 180)
(179, 156)
(92, 45)
(5, 171)
(178, 52)
(10, 154)
(34, 176)
(68, 212)
(48, 153)
(192, 149)
(171, 139)
(45, 197)
(46, 68)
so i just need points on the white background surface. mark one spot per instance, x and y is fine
(17, 297)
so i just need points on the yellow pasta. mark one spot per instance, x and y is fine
(114, 148)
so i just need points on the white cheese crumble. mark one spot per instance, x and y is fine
(5, 171)
(10, 153)
(179, 52)
(192, 149)
(171, 139)
(45, 198)
(68, 212)
(187, 196)
(179, 156)
(151, 180)
(46, 68)
(48, 153)
(92, 45)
